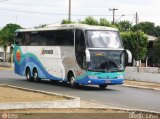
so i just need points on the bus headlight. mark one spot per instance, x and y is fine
(120, 77)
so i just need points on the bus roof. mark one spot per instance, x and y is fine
(68, 26)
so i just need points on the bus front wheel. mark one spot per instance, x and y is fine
(102, 86)
(28, 75)
(72, 82)
(35, 76)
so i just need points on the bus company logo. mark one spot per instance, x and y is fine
(4, 116)
(43, 52)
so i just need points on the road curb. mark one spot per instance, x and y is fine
(103, 107)
(72, 102)
(6, 68)
(142, 87)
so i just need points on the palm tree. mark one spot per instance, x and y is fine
(3, 44)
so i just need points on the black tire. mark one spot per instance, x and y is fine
(28, 75)
(102, 86)
(35, 76)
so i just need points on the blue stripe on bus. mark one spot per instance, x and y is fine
(93, 81)
(32, 62)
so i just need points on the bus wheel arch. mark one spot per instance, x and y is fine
(28, 74)
(71, 79)
(35, 75)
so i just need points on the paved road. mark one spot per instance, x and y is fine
(115, 96)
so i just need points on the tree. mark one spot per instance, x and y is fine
(136, 42)
(40, 26)
(65, 21)
(157, 31)
(104, 22)
(7, 36)
(146, 27)
(8, 33)
(124, 26)
(156, 52)
(90, 21)
(4, 44)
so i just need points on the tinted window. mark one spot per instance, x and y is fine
(46, 38)
(107, 60)
(80, 48)
(103, 39)
(33, 39)
(19, 38)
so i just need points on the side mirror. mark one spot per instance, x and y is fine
(129, 54)
(88, 59)
(12, 45)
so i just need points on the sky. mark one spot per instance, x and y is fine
(31, 13)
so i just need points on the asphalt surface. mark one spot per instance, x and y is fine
(114, 96)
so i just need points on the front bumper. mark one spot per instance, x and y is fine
(94, 81)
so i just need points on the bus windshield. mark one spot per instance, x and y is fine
(107, 61)
(103, 39)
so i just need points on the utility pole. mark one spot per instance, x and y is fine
(114, 9)
(138, 58)
(136, 18)
(69, 11)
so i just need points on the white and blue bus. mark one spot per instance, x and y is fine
(74, 53)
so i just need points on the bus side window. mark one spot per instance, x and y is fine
(80, 48)
(33, 40)
(19, 40)
(69, 38)
(59, 37)
(80, 41)
(50, 38)
(27, 38)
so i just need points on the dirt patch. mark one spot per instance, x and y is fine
(77, 113)
(69, 110)
(16, 95)
(143, 84)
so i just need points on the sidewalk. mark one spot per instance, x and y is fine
(142, 84)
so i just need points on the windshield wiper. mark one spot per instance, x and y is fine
(98, 70)
(116, 70)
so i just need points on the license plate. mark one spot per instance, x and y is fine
(108, 81)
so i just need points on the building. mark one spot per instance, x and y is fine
(149, 59)
(2, 53)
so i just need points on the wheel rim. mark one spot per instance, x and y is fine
(72, 81)
(35, 75)
(28, 75)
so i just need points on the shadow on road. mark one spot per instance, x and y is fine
(67, 86)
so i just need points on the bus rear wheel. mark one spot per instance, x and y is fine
(28, 75)
(35, 76)
(102, 86)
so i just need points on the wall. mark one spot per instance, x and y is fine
(148, 74)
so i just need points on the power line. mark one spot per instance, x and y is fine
(23, 11)
(3, 0)
(13, 10)
(47, 13)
